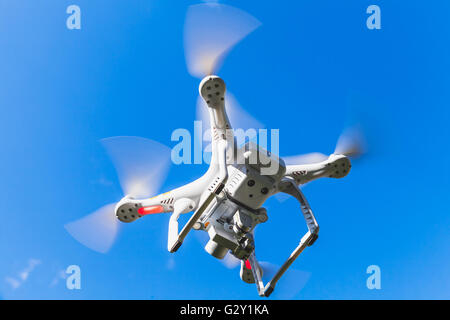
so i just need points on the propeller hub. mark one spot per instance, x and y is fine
(339, 165)
(128, 211)
(212, 89)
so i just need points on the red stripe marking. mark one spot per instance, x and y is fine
(247, 265)
(150, 210)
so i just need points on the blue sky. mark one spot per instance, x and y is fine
(310, 70)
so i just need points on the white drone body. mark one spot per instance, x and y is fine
(227, 200)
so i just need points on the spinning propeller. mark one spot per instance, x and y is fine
(211, 30)
(142, 166)
(351, 144)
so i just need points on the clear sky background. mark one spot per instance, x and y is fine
(310, 70)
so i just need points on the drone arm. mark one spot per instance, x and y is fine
(336, 166)
(306, 172)
(290, 187)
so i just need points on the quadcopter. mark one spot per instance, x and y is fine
(227, 201)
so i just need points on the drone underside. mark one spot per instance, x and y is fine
(227, 200)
